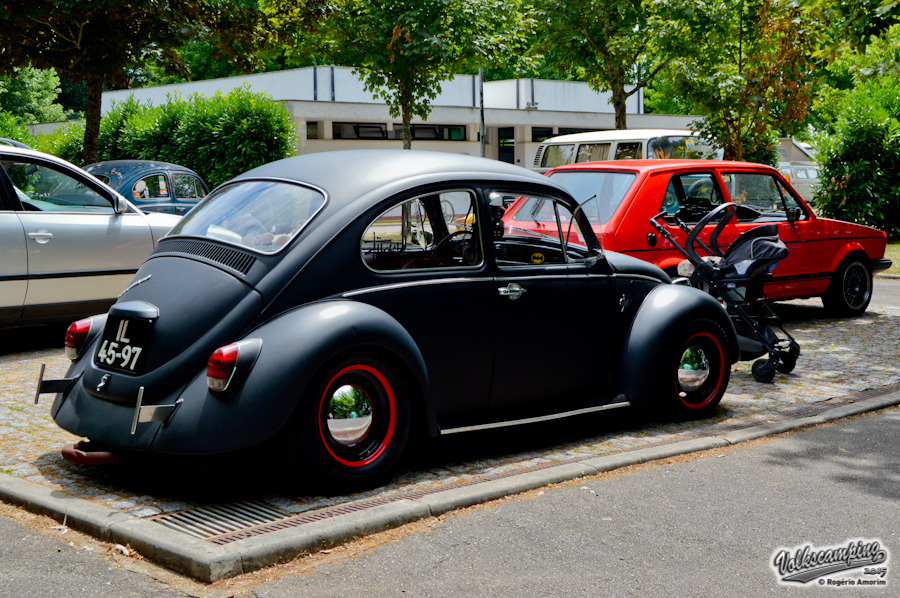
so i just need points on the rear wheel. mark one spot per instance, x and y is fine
(850, 289)
(352, 425)
(697, 371)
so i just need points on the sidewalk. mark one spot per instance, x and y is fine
(844, 362)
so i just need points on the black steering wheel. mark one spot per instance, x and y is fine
(444, 243)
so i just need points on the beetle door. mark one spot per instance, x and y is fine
(549, 355)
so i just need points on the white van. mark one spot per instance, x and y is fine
(635, 144)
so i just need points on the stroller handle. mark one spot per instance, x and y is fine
(730, 210)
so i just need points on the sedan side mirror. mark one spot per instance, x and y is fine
(793, 214)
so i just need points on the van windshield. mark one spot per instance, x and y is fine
(680, 147)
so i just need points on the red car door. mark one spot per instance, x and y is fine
(763, 198)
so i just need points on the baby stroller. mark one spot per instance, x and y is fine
(736, 277)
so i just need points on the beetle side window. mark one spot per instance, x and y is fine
(188, 186)
(691, 195)
(42, 188)
(540, 231)
(150, 187)
(433, 231)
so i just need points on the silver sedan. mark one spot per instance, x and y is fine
(70, 245)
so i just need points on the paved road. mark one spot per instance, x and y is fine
(886, 291)
(704, 525)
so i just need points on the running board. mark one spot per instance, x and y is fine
(533, 420)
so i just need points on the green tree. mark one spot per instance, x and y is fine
(749, 73)
(608, 43)
(97, 41)
(31, 95)
(402, 49)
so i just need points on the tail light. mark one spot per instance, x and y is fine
(76, 335)
(221, 366)
(231, 363)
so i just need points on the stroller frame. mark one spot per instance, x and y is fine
(740, 292)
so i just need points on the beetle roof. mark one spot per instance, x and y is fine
(347, 175)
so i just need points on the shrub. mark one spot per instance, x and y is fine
(13, 128)
(219, 137)
(860, 170)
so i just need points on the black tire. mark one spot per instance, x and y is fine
(850, 289)
(353, 449)
(763, 370)
(697, 371)
(787, 361)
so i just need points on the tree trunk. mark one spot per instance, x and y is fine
(92, 119)
(405, 116)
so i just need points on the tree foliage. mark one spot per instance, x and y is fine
(96, 41)
(402, 49)
(750, 71)
(608, 43)
(30, 94)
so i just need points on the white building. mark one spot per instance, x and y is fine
(332, 111)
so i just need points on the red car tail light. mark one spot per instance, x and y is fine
(75, 337)
(221, 366)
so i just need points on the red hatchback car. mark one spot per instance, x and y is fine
(828, 258)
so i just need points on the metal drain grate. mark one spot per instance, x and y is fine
(215, 520)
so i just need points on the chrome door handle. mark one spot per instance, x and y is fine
(512, 290)
(41, 236)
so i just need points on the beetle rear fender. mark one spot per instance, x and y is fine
(295, 348)
(664, 313)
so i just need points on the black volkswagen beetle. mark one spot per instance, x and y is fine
(333, 302)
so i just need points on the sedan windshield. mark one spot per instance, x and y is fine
(259, 215)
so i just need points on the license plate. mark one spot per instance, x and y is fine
(122, 344)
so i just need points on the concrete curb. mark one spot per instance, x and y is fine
(208, 562)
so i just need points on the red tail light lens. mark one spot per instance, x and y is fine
(75, 337)
(221, 366)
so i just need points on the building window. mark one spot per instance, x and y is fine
(359, 130)
(312, 130)
(570, 131)
(539, 134)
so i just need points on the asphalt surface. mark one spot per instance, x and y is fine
(707, 524)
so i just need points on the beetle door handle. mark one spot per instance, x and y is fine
(512, 290)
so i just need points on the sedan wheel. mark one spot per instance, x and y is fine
(699, 370)
(850, 289)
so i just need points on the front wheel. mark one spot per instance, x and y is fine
(352, 425)
(697, 370)
(850, 289)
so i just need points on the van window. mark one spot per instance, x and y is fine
(679, 147)
(557, 155)
(629, 150)
(593, 152)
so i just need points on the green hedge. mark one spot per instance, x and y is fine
(13, 128)
(860, 173)
(219, 137)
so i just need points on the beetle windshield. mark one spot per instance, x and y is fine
(259, 215)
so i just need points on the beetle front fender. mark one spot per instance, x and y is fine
(665, 311)
(295, 347)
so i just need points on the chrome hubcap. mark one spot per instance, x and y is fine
(349, 415)
(693, 369)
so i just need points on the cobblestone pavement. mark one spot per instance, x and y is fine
(840, 357)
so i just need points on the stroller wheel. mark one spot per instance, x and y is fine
(763, 370)
(787, 361)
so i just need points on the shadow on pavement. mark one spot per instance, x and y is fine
(32, 338)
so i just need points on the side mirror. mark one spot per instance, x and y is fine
(118, 204)
(793, 214)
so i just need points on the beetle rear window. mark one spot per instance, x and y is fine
(259, 215)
